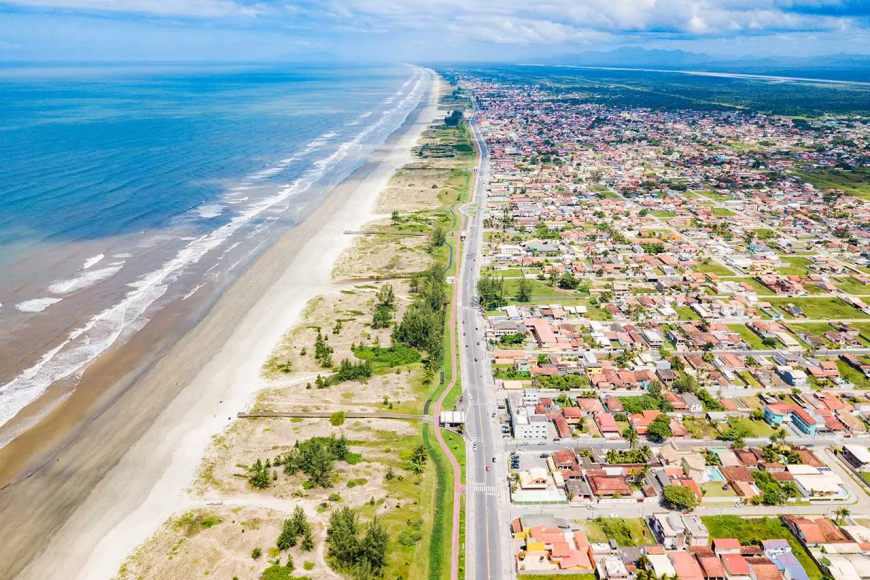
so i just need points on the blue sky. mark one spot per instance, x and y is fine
(422, 30)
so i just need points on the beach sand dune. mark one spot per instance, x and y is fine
(112, 484)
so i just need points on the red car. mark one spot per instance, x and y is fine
(487, 467)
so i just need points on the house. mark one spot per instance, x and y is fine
(677, 530)
(726, 546)
(793, 377)
(693, 403)
(762, 568)
(807, 531)
(534, 478)
(778, 413)
(609, 485)
(607, 425)
(736, 567)
(857, 455)
(686, 566)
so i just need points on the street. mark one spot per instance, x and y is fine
(487, 493)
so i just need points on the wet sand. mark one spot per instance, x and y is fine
(95, 478)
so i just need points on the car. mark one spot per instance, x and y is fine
(474, 447)
(590, 507)
(487, 467)
(478, 342)
(493, 414)
(493, 458)
(544, 455)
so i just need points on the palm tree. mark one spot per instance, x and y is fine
(631, 436)
(841, 514)
(779, 436)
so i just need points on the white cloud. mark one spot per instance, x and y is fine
(172, 8)
(548, 21)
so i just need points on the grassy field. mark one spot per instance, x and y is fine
(714, 489)
(712, 268)
(817, 328)
(752, 530)
(819, 308)
(855, 182)
(764, 233)
(457, 446)
(798, 266)
(686, 313)
(853, 376)
(757, 428)
(440, 542)
(699, 428)
(715, 196)
(852, 286)
(722, 212)
(663, 213)
(539, 289)
(626, 532)
(749, 337)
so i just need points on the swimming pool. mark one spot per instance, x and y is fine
(713, 474)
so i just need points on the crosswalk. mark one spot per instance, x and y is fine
(487, 489)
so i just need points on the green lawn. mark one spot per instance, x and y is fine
(764, 233)
(798, 266)
(699, 428)
(753, 530)
(663, 213)
(457, 446)
(713, 195)
(539, 288)
(714, 489)
(852, 286)
(749, 337)
(510, 273)
(626, 532)
(819, 308)
(855, 377)
(757, 428)
(817, 328)
(722, 212)
(712, 268)
(856, 182)
(687, 313)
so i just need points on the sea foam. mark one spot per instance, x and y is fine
(85, 279)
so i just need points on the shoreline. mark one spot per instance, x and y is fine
(93, 491)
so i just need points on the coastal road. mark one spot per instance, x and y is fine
(488, 501)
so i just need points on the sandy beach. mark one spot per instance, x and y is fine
(102, 491)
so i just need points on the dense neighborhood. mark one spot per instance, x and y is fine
(678, 325)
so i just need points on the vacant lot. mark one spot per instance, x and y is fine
(712, 268)
(855, 182)
(824, 308)
(753, 530)
(626, 532)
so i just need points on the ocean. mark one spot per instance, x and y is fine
(126, 188)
